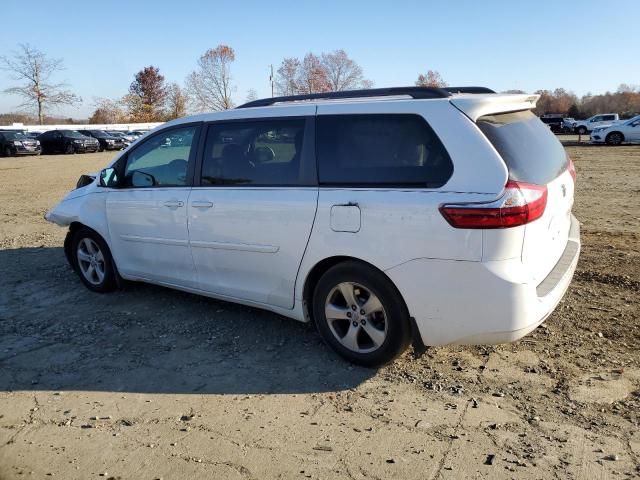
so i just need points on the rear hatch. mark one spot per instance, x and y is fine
(534, 155)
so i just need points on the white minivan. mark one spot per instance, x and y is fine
(385, 216)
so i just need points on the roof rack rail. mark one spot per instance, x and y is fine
(468, 90)
(413, 92)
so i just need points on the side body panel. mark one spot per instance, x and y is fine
(397, 225)
(149, 236)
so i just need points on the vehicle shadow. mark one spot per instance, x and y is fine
(57, 335)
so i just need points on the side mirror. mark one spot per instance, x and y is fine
(108, 177)
(142, 179)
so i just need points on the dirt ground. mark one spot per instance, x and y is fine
(152, 383)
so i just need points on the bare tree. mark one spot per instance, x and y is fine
(108, 111)
(556, 101)
(176, 102)
(342, 72)
(34, 70)
(312, 77)
(209, 86)
(287, 77)
(431, 79)
(251, 95)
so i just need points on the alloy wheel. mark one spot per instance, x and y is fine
(91, 261)
(356, 317)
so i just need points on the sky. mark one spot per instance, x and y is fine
(582, 46)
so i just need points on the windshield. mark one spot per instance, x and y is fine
(532, 153)
(634, 119)
(14, 136)
(71, 134)
(98, 133)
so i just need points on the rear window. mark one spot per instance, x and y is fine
(380, 150)
(532, 153)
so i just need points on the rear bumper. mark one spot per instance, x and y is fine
(466, 303)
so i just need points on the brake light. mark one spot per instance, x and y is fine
(521, 203)
(572, 170)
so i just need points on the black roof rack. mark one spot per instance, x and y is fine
(468, 90)
(413, 92)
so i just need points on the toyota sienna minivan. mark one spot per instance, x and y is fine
(386, 216)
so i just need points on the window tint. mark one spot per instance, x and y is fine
(160, 161)
(380, 150)
(608, 118)
(253, 153)
(532, 153)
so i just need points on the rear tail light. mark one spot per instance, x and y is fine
(521, 203)
(572, 170)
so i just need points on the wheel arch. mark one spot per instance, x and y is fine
(68, 244)
(615, 131)
(321, 267)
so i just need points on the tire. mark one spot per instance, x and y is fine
(369, 336)
(582, 130)
(69, 150)
(7, 151)
(100, 148)
(615, 138)
(92, 261)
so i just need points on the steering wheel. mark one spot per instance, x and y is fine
(179, 166)
(264, 154)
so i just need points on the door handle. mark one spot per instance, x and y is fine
(174, 204)
(201, 204)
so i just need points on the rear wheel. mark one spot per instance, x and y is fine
(615, 138)
(92, 260)
(7, 151)
(361, 315)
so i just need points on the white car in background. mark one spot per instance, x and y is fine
(385, 216)
(584, 126)
(627, 131)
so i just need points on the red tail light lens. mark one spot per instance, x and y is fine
(521, 203)
(572, 170)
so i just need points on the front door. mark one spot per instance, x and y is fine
(147, 213)
(251, 215)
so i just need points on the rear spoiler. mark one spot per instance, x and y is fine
(475, 106)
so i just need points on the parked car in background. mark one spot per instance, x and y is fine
(106, 140)
(553, 121)
(33, 134)
(584, 126)
(67, 141)
(567, 124)
(17, 143)
(627, 131)
(129, 136)
(136, 133)
(421, 217)
(127, 139)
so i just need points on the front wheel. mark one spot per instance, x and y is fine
(361, 315)
(7, 151)
(582, 130)
(615, 138)
(92, 261)
(69, 150)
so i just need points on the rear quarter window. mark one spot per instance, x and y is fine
(530, 150)
(380, 150)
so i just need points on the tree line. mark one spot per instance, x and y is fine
(210, 87)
